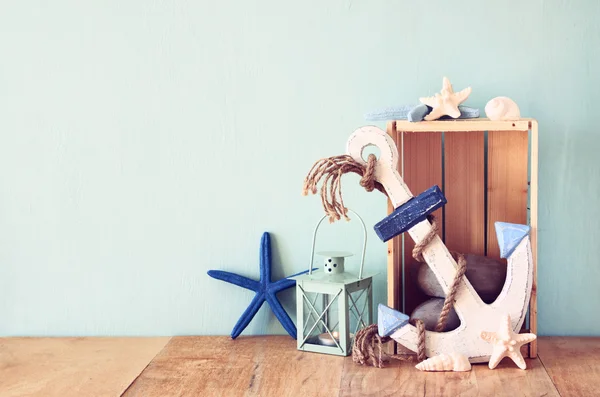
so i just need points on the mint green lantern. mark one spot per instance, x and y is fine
(333, 304)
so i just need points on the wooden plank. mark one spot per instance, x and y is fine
(73, 366)
(573, 364)
(397, 379)
(421, 169)
(402, 379)
(510, 381)
(394, 275)
(464, 215)
(271, 366)
(507, 182)
(533, 222)
(248, 366)
(481, 124)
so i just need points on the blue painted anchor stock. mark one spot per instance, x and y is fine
(410, 213)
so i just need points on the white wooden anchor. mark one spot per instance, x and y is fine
(475, 315)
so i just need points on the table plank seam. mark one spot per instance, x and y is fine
(146, 367)
(540, 358)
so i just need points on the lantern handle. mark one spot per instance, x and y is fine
(314, 240)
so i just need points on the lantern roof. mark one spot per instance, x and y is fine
(318, 276)
(335, 254)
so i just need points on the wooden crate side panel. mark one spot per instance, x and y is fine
(533, 221)
(394, 268)
(422, 168)
(464, 180)
(507, 182)
(394, 285)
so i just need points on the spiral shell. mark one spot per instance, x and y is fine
(502, 108)
(445, 362)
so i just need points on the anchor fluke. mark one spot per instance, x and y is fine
(389, 320)
(509, 236)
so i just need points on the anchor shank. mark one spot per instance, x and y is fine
(436, 254)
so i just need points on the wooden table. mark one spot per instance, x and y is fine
(270, 366)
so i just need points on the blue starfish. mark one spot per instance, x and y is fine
(265, 290)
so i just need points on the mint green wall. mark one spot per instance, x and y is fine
(143, 143)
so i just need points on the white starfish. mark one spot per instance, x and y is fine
(446, 102)
(507, 344)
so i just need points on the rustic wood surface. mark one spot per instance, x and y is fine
(394, 262)
(507, 182)
(248, 366)
(60, 367)
(271, 366)
(421, 169)
(573, 364)
(480, 124)
(464, 187)
(533, 222)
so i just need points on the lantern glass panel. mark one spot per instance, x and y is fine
(359, 308)
(321, 318)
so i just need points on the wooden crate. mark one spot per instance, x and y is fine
(488, 171)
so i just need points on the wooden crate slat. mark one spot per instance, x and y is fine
(422, 168)
(464, 125)
(533, 222)
(464, 215)
(394, 286)
(507, 182)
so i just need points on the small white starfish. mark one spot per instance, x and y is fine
(446, 102)
(507, 344)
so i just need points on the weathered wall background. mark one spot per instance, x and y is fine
(143, 143)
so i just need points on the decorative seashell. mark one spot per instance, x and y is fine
(445, 362)
(502, 108)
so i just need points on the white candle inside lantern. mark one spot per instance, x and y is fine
(325, 339)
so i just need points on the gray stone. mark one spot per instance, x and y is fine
(486, 275)
(429, 311)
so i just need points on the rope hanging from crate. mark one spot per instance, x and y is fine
(367, 342)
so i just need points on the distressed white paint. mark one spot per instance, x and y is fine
(386, 171)
(475, 315)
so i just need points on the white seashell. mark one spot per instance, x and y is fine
(445, 362)
(502, 108)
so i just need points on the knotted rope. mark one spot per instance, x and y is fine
(367, 342)
(368, 347)
(331, 170)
